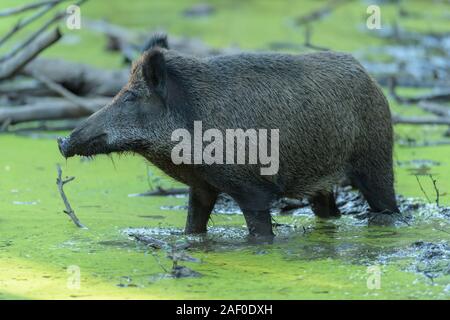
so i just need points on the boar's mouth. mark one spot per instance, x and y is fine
(71, 146)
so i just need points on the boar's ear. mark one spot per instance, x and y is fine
(155, 73)
(157, 40)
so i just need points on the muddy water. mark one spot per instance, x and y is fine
(419, 243)
(309, 258)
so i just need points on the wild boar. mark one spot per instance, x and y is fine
(333, 121)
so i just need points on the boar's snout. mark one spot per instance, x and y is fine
(84, 142)
(63, 145)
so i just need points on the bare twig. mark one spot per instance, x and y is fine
(23, 23)
(69, 211)
(119, 38)
(12, 11)
(12, 65)
(58, 16)
(308, 44)
(159, 262)
(434, 181)
(52, 85)
(319, 13)
(421, 188)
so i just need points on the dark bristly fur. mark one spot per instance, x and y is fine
(334, 121)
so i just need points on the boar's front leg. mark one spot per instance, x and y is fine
(201, 203)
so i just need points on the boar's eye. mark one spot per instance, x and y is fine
(130, 96)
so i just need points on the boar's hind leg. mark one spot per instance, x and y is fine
(379, 192)
(256, 208)
(376, 182)
(201, 203)
(323, 205)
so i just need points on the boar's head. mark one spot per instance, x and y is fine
(133, 118)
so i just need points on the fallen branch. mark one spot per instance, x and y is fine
(80, 102)
(435, 108)
(12, 11)
(11, 66)
(119, 38)
(152, 242)
(396, 119)
(134, 40)
(441, 96)
(58, 16)
(162, 192)
(39, 129)
(23, 23)
(24, 87)
(80, 79)
(111, 30)
(160, 244)
(69, 211)
(51, 109)
(414, 144)
(400, 35)
(4, 125)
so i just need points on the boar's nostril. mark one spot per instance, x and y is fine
(62, 145)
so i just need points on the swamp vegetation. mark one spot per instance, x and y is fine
(134, 247)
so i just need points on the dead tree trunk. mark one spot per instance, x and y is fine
(12, 65)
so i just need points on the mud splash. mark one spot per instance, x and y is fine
(349, 202)
(429, 259)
